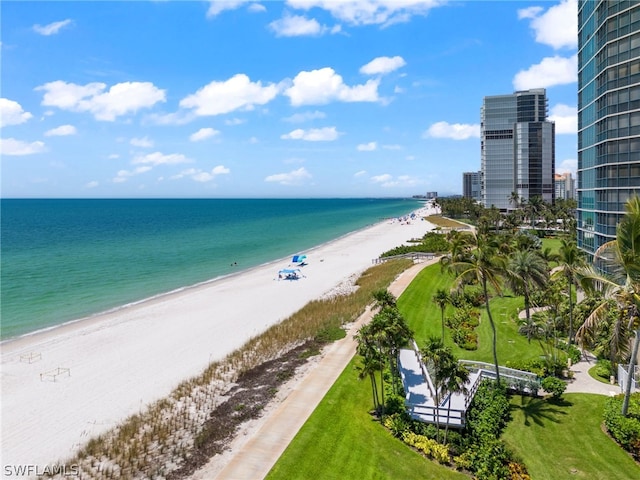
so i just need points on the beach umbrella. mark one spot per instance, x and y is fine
(298, 258)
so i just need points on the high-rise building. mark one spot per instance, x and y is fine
(471, 185)
(517, 149)
(608, 116)
(564, 185)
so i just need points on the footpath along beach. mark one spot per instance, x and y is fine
(113, 365)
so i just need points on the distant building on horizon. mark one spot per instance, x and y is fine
(432, 195)
(471, 185)
(608, 117)
(517, 145)
(564, 186)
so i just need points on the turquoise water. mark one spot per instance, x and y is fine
(67, 259)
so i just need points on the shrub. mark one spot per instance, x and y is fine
(428, 446)
(397, 424)
(604, 369)
(554, 386)
(625, 430)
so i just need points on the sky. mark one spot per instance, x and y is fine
(269, 99)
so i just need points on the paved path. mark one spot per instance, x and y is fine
(262, 451)
(582, 381)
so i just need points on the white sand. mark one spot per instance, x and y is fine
(120, 362)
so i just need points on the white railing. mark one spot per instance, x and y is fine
(412, 255)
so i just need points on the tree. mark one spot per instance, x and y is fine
(514, 199)
(481, 265)
(526, 270)
(620, 258)
(571, 258)
(441, 298)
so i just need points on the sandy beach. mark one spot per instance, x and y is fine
(113, 365)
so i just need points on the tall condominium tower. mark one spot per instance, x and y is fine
(608, 116)
(471, 185)
(517, 149)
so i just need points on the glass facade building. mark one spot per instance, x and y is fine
(608, 116)
(517, 149)
(471, 185)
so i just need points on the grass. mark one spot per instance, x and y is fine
(444, 222)
(341, 440)
(592, 373)
(424, 317)
(552, 243)
(565, 440)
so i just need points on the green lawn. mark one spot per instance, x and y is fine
(424, 317)
(342, 441)
(555, 441)
(565, 441)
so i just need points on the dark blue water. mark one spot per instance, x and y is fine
(66, 259)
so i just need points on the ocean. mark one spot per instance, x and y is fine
(63, 260)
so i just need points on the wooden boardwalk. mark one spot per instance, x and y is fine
(420, 392)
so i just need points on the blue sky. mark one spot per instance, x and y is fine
(296, 98)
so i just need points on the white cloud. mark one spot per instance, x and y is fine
(297, 26)
(557, 27)
(176, 118)
(256, 8)
(92, 184)
(398, 89)
(144, 142)
(549, 72)
(203, 134)
(13, 147)
(202, 176)
(360, 173)
(367, 147)
(454, 131)
(382, 65)
(392, 147)
(569, 165)
(384, 178)
(236, 93)
(305, 116)
(295, 177)
(367, 12)
(234, 121)
(51, 28)
(158, 158)
(565, 117)
(113, 156)
(61, 131)
(120, 99)
(123, 175)
(254, 140)
(326, 134)
(322, 86)
(11, 113)
(389, 181)
(219, 6)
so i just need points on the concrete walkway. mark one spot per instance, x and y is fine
(582, 382)
(263, 450)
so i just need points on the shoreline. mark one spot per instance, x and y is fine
(122, 361)
(179, 290)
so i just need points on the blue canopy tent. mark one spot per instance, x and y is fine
(290, 274)
(299, 259)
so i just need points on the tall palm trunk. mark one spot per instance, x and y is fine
(570, 314)
(632, 364)
(493, 329)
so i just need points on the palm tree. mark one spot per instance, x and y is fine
(514, 199)
(457, 377)
(571, 258)
(527, 270)
(482, 266)
(372, 360)
(437, 357)
(441, 298)
(621, 259)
